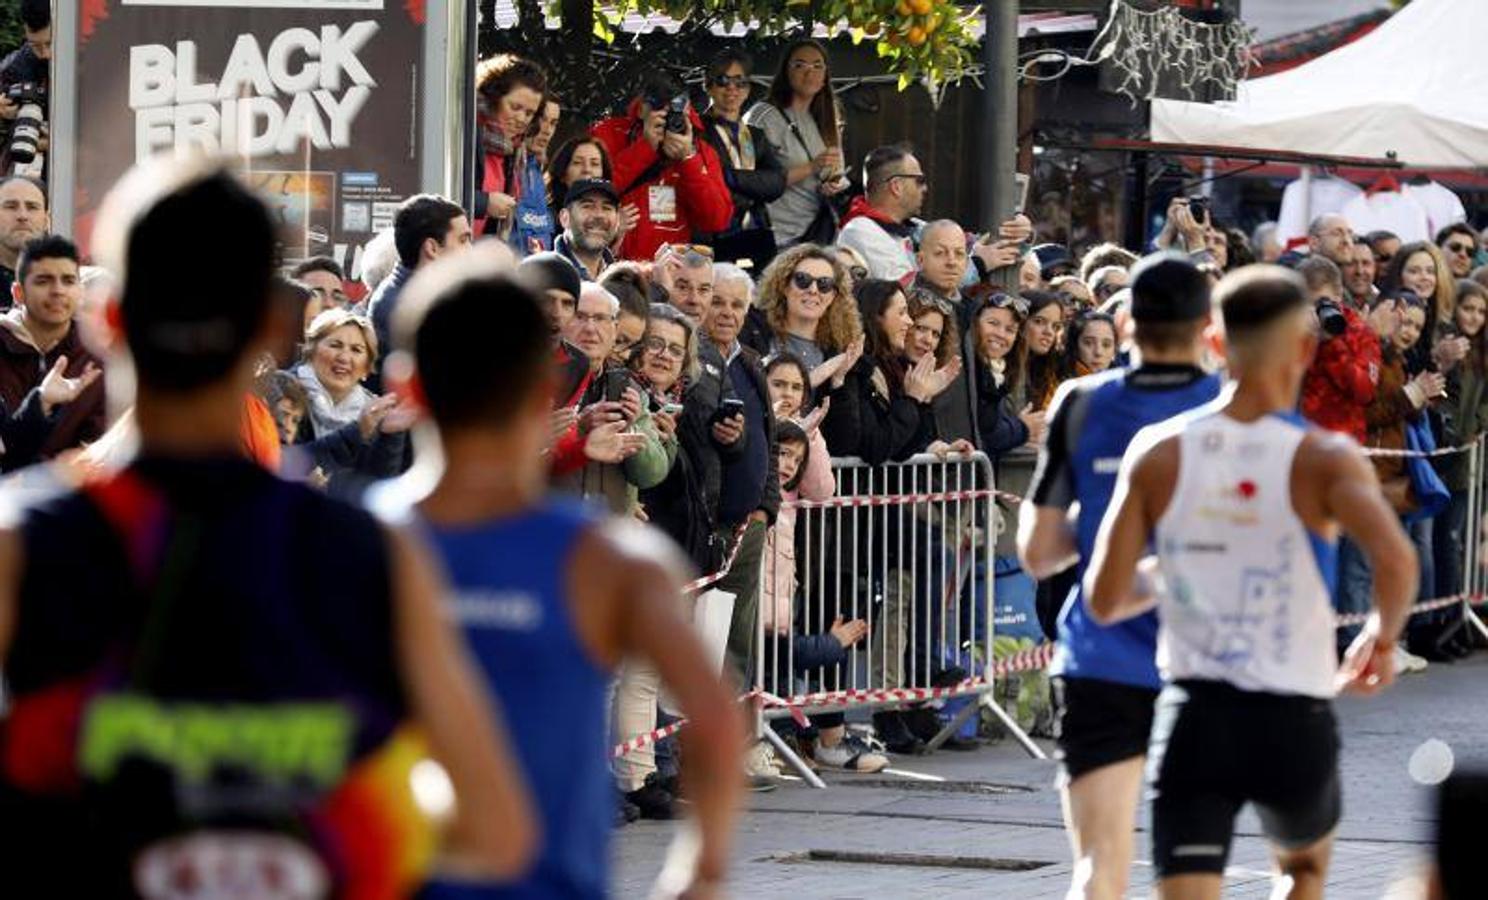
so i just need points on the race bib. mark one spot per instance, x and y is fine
(226, 865)
(661, 203)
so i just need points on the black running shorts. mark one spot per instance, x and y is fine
(1215, 748)
(1097, 723)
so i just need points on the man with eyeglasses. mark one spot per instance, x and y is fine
(880, 225)
(754, 174)
(325, 279)
(1384, 245)
(1459, 244)
(686, 271)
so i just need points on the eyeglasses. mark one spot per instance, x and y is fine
(1018, 305)
(920, 180)
(584, 318)
(826, 284)
(1464, 249)
(801, 65)
(728, 81)
(660, 347)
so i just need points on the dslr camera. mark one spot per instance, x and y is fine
(30, 100)
(1330, 318)
(676, 111)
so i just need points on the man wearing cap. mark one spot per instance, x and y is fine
(1105, 678)
(591, 221)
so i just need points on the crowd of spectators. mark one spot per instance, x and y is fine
(725, 321)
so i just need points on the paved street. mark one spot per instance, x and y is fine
(986, 824)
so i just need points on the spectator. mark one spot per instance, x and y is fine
(592, 330)
(998, 321)
(287, 400)
(686, 273)
(749, 498)
(508, 96)
(533, 225)
(23, 218)
(29, 64)
(1464, 418)
(581, 158)
(754, 175)
(1035, 373)
(352, 435)
(1384, 244)
(880, 223)
(853, 261)
(39, 333)
(635, 310)
(933, 333)
(1106, 281)
(1103, 256)
(1458, 243)
(1330, 237)
(1029, 277)
(301, 305)
(1358, 276)
(1090, 346)
(674, 180)
(1264, 243)
(1238, 252)
(942, 261)
(591, 224)
(325, 279)
(1072, 293)
(379, 258)
(1054, 261)
(809, 314)
(1341, 383)
(425, 228)
(1420, 267)
(800, 120)
(882, 410)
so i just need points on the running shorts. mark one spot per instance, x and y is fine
(1215, 748)
(1098, 723)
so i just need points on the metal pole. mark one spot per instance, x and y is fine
(1000, 117)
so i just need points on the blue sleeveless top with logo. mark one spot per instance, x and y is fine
(511, 601)
(1094, 421)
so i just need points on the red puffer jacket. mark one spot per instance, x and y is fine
(1341, 383)
(702, 200)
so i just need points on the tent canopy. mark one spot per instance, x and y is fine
(1417, 87)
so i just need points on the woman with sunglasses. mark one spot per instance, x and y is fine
(754, 176)
(809, 313)
(800, 119)
(997, 325)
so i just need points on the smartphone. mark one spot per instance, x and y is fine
(730, 407)
(672, 409)
(615, 383)
(1020, 187)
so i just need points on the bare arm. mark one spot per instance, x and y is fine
(649, 588)
(494, 833)
(1119, 582)
(1046, 540)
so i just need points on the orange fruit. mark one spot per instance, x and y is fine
(903, 9)
(916, 36)
(921, 7)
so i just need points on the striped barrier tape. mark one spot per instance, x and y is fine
(701, 584)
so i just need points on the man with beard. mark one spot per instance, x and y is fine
(23, 218)
(1358, 275)
(591, 221)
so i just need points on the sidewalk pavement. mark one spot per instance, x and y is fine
(987, 823)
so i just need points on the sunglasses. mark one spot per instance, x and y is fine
(824, 285)
(727, 81)
(1464, 249)
(1018, 305)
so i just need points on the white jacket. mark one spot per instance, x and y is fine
(887, 256)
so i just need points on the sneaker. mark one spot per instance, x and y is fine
(625, 811)
(1413, 663)
(760, 762)
(653, 800)
(895, 734)
(850, 754)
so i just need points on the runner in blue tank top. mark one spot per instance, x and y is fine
(549, 596)
(1105, 679)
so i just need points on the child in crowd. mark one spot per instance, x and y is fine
(287, 401)
(1090, 346)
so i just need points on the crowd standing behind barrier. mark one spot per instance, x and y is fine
(767, 354)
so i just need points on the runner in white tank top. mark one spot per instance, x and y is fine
(1246, 597)
(1242, 502)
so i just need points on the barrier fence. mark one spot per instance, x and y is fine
(908, 548)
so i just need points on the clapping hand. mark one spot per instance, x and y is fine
(923, 382)
(57, 389)
(813, 419)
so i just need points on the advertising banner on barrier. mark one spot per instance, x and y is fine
(318, 101)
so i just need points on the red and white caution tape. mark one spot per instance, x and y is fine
(1418, 454)
(707, 581)
(892, 499)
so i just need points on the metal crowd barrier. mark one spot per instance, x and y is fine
(907, 548)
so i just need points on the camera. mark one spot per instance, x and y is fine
(30, 101)
(1198, 205)
(676, 117)
(1330, 318)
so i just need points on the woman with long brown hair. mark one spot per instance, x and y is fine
(808, 311)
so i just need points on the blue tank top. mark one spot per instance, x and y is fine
(1116, 407)
(511, 601)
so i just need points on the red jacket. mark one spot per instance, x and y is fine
(1341, 383)
(703, 200)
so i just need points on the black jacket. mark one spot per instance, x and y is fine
(703, 399)
(1001, 429)
(874, 421)
(751, 189)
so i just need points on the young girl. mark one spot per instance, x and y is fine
(1036, 374)
(1090, 346)
(1464, 417)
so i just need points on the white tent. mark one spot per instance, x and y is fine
(1417, 86)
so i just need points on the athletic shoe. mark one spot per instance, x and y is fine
(653, 800)
(1410, 661)
(760, 762)
(895, 734)
(850, 754)
(625, 811)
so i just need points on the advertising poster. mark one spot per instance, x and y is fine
(316, 101)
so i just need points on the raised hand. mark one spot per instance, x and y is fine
(373, 413)
(400, 417)
(1016, 230)
(997, 254)
(57, 389)
(728, 431)
(611, 443)
(813, 419)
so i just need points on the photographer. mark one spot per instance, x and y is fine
(662, 168)
(612, 396)
(23, 93)
(1341, 383)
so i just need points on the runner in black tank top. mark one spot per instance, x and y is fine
(218, 679)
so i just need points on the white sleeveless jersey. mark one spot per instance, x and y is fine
(1244, 596)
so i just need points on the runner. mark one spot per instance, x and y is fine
(1244, 502)
(220, 683)
(550, 596)
(1105, 681)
